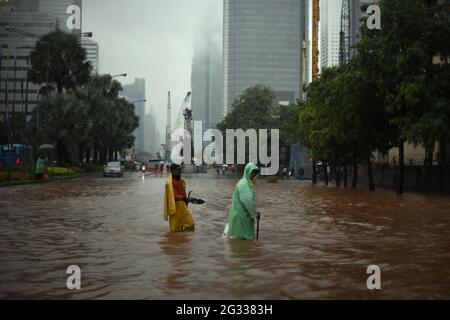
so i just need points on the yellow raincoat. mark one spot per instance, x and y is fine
(176, 212)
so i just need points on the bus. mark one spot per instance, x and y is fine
(16, 155)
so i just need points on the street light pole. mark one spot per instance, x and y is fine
(139, 101)
(115, 76)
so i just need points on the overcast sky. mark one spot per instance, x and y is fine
(154, 40)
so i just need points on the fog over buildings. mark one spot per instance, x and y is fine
(152, 40)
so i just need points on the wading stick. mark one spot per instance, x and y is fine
(258, 217)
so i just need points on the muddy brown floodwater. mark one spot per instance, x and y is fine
(315, 243)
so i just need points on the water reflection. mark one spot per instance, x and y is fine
(176, 247)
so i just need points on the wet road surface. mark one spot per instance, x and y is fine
(315, 242)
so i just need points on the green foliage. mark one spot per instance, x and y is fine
(59, 60)
(90, 116)
(256, 109)
(391, 91)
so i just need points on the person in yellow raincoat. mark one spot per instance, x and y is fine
(176, 203)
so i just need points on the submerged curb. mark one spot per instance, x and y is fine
(55, 179)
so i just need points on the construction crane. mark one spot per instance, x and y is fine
(315, 39)
(168, 143)
(184, 118)
(181, 123)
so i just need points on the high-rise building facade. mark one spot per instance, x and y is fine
(207, 84)
(135, 93)
(59, 10)
(151, 135)
(262, 43)
(330, 28)
(34, 16)
(92, 53)
(307, 38)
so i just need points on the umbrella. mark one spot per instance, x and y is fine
(46, 147)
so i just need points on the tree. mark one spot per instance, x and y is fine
(253, 109)
(113, 119)
(393, 91)
(60, 120)
(414, 33)
(256, 108)
(59, 61)
(92, 120)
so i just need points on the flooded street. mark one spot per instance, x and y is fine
(315, 242)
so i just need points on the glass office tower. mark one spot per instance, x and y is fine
(262, 45)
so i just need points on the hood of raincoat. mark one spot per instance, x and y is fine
(249, 169)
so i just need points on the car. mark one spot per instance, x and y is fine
(113, 168)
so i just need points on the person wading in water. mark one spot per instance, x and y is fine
(176, 202)
(242, 213)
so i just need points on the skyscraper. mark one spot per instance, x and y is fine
(262, 44)
(58, 9)
(207, 84)
(136, 92)
(92, 53)
(151, 140)
(35, 16)
(16, 93)
(307, 16)
(330, 27)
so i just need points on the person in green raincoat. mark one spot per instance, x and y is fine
(41, 165)
(242, 213)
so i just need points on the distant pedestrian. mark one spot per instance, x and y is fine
(41, 166)
(301, 173)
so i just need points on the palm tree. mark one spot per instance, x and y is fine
(59, 60)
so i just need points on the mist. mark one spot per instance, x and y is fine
(154, 40)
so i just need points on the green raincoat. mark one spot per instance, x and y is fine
(41, 165)
(242, 213)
